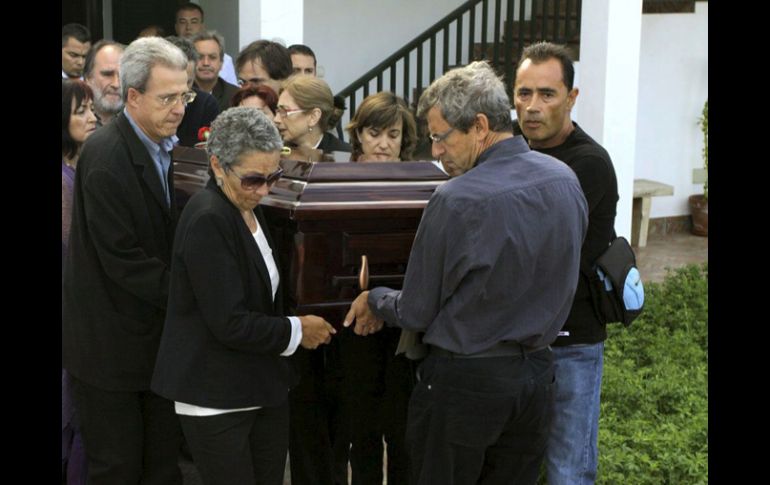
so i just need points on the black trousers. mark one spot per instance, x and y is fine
(378, 385)
(244, 447)
(482, 420)
(129, 437)
(319, 441)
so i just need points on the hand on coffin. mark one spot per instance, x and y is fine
(366, 322)
(315, 331)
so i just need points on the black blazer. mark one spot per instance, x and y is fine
(116, 275)
(330, 143)
(223, 336)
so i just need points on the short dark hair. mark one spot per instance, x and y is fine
(89, 66)
(186, 46)
(543, 51)
(81, 93)
(263, 92)
(272, 55)
(78, 31)
(304, 50)
(188, 6)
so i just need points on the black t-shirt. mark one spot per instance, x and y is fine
(593, 167)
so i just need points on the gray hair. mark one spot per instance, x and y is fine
(241, 130)
(141, 56)
(211, 35)
(89, 66)
(186, 45)
(463, 92)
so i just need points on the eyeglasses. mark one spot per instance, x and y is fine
(284, 111)
(254, 182)
(439, 138)
(256, 81)
(171, 99)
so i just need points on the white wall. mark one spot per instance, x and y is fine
(222, 16)
(673, 85)
(610, 37)
(350, 37)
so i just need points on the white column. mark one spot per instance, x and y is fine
(610, 38)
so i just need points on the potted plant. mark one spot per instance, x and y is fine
(699, 203)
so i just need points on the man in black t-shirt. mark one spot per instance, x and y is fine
(544, 96)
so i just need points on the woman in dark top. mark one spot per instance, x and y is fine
(222, 356)
(78, 121)
(378, 382)
(305, 111)
(383, 130)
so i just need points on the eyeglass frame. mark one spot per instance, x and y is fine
(443, 136)
(281, 110)
(255, 182)
(166, 101)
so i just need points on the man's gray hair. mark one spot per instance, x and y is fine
(141, 56)
(88, 69)
(240, 130)
(211, 35)
(463, 92)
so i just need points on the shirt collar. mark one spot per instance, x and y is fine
(166, 143)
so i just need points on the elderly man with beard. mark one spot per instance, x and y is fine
(101, 73)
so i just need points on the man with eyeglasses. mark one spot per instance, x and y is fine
(263, 62)
(116, 276)
(490, 280)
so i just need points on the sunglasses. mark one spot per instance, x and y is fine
(254, 182)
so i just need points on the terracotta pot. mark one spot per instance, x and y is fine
(699, 208)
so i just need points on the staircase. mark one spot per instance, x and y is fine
(497, 30)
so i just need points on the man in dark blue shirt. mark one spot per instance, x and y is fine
(490, 281)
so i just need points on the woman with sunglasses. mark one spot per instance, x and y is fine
(305, 111)
(223, 354)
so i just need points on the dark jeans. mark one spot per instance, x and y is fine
(378, 385)
(129, 437)
(482, 420)
(244, 447)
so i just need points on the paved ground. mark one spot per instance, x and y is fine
(661, 252)
(670, 251)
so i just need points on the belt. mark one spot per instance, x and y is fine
(501, 349)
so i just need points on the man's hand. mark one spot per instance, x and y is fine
(366, 322)
(315, 331)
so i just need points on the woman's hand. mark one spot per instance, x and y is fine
(315, 331)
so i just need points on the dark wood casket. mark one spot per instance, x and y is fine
(325, 216)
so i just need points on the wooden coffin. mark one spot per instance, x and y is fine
(325, 216)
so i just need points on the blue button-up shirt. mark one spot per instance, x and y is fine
(159, 152)
(496, 256)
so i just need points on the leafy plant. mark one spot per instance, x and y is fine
(703, 121)
(654, 411)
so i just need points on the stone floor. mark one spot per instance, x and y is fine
(662, 252)
(670, 251)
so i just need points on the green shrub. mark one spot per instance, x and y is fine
(654, 412)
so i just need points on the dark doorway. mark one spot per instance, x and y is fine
(131, 16)
(128, 16)
(86, 12)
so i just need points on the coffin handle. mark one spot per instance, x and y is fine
(363, 275)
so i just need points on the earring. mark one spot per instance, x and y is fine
(220, 182)
(310, 129)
